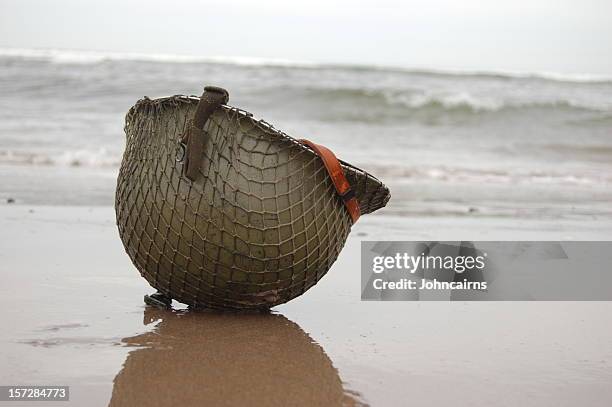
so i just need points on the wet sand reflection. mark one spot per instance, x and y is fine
(200, 358)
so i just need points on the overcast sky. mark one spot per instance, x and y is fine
(566, 36)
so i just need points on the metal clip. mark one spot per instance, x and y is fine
(181, 151)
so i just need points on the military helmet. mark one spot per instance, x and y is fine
(218, 209)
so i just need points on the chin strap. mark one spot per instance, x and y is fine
(343, 188)
(193, 139)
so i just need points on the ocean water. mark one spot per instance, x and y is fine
(447, 143)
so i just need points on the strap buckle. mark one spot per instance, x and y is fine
(348, 195)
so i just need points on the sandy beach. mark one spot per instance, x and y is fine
(74, 316)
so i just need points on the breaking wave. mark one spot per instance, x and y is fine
(444, 174)
(101, 158)
(381, 105)
(337, 92)
(60, 56)
(65, 56)
(464, 101)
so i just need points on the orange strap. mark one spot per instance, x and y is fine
(343, 188)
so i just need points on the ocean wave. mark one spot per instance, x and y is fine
(100, 158)
(464, 101)
(362, 104)
(60, 56)
(449, 174)
(66, 56)
(578, 78)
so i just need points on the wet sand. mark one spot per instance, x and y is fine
(73, 315)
